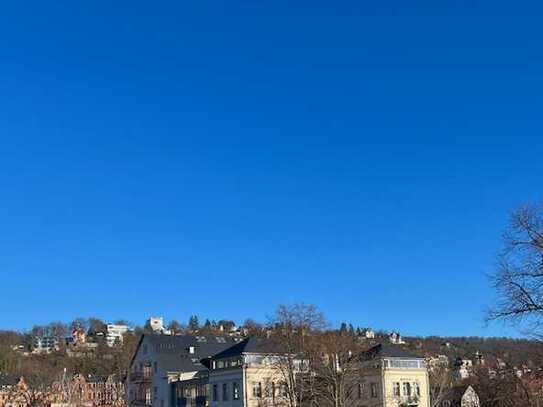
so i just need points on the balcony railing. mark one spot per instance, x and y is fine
(138, 402)
(140, 377)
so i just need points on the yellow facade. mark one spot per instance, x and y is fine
(393, 383)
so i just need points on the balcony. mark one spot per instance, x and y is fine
(138, 403)
(140, 377)
(412, 401)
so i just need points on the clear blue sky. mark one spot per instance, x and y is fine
(220, 158)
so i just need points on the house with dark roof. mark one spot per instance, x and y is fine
(160, 360)
(197, 371)
(249, 374)
(392, 376)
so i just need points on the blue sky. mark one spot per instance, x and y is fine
(220, 158)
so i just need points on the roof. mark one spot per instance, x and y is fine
(384, 350)
(172, 352)
(8, 380)
(250, 345)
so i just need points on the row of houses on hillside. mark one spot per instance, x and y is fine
(78, 341)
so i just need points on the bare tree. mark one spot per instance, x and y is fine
(519, 277)
(337, 369)
(292, 327)
(440, 381)
(504, 389)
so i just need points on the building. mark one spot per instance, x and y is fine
(87, 391)
(44, 344)
(395, 338)
(461, 396)
(8, 387)
(369, 333)
(247, 374)
(17, 392)
(161, 360)
(157, 326)
(463, 368)
(78, 337)
(101, 391)
(115, 334)
(392, 377)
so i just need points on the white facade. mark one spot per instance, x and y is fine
(115, 333)
(157, 325)
(369, 334)
(395, 338)
(45, 344)
(464, 369)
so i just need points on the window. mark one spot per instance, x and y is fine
(257, 389)
(225, 391)
(396, 389)
(406, 389)
(374, 390)
(269, 390)
(215, 393)
(360, 390)
(155, 367)
(235, 391)
(406, 364)
(155, 392)
(416, 389)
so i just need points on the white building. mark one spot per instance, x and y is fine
(463, 368)
(369, 334)
(395, 338)
(115, 333)
(157, 325)
(44, 344)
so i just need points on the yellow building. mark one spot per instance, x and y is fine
(392, 377)
(248, 375)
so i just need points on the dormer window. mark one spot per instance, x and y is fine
(192, 349)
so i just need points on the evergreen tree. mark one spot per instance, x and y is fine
(194, 324)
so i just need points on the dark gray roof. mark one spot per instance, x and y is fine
(250, 345)
(385, 350)
(172, 353)
(8, 380)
